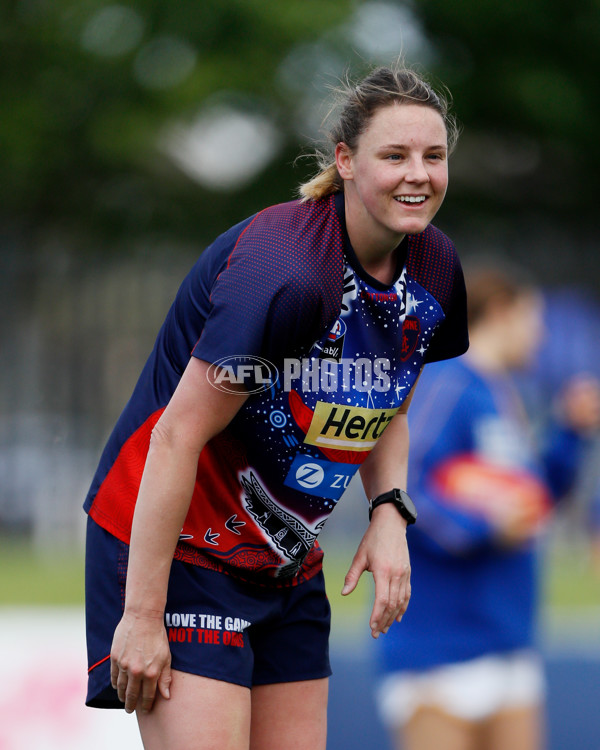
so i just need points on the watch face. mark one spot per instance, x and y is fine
(400, 499)
(408, 504)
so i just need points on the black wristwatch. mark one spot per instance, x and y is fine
(400, 499)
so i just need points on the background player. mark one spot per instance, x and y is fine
(462, 672)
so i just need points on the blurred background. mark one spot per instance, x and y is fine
(132, 133)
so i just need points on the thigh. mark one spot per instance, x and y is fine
(201, 714)
(290, 714)
(430, 727)
(516, 729)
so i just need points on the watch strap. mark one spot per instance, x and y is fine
(400, 499)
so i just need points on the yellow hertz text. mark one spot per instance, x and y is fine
(351, 428)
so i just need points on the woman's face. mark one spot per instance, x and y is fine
(396, 179)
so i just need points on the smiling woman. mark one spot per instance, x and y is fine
(357, 105)
(391, 145)
(396, 178)
(208, 500)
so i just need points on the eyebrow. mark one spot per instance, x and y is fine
(400, 146)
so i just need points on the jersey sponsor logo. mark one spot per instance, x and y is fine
(333, 348)
(379, 296)
(321, 478)
(351, 428)
(411, 331)
(309, 475)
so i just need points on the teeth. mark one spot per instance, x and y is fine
(411, 198)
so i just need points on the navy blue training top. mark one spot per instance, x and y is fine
(328, 353)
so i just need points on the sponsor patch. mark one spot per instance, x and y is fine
(322, 478)
(333, 348)
(351, 428)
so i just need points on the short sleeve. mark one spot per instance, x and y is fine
(257, 312)
(433, 262)
(451, 339)
(264, 302)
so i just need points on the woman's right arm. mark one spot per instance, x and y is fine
(140, 656)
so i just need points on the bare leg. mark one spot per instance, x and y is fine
(290, 715)
(516, 729)
(430, 728)
(201, 714)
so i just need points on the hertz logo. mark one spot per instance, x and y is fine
(351, 428)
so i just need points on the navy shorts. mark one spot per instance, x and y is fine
(218, 626)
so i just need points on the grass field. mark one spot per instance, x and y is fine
(571, 580)
(30, 577)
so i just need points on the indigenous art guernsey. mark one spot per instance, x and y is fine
(262, 506)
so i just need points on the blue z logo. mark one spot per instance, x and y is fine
(322, 478)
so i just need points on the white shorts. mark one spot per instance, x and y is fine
(472, 690)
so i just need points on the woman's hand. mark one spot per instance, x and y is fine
(140, 661)
(383, 551)
(140, 656)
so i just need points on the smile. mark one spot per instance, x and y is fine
(411, 198)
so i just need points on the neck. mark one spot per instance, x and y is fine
(382, 268)
(375, 250)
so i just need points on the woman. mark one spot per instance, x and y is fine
(308, 325)
(463, 672)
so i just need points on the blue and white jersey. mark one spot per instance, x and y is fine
(471, 595)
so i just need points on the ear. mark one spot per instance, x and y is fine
(343, 160)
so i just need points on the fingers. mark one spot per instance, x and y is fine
(140, 663)
(137, 689)
(148, 693)
(164, 682)
(114, 672)
(392, 594)
(128, 685)
(353, 575)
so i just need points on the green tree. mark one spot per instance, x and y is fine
(88, 85)
(523, 77)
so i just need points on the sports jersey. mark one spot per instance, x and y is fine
(470, 595)
(328, 355)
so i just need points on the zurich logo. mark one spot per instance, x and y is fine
(309, 475)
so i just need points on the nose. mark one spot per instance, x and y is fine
(417, 171)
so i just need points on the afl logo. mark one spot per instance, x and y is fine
(337, 330)
(309, 475)
(256, 374)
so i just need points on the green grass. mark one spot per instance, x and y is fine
(571, 579)
(32, 577)
(354, 605)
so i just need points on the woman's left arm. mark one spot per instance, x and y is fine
(383, 549)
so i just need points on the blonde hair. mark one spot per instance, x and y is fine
(358, 103)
